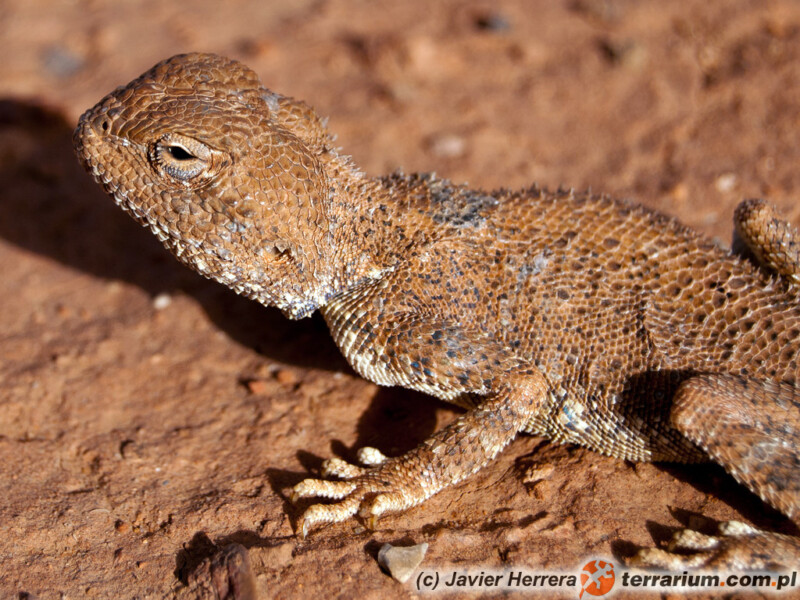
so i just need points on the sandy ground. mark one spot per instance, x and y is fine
(148, 416)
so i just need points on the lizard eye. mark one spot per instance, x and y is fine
(180, 153)
(181, 157)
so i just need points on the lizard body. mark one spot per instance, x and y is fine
(574, 316)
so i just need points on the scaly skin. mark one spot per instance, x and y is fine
(574, 316)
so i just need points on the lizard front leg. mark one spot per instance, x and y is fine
(445, 458)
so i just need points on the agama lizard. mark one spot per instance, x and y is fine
(568, 315)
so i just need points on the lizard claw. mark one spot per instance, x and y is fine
(372, 522)
(737, 546)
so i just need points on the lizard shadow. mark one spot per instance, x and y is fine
(712, 480)
(201, 548)
(51, 207)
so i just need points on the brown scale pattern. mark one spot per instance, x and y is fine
(575, 316)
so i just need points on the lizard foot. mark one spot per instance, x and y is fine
(737, 546)
(450, 455)
(385, 485)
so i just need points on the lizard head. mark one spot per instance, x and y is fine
(230, 176)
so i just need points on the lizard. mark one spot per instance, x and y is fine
(565, 314)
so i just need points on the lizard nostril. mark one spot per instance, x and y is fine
(100, 123)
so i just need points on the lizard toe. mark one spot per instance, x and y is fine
(737, 546)
(321, 488)
(367, 456)
(371, 457)
(324, 514)
(656, 558)
(336, 467)
(385, 502)
(691, 540)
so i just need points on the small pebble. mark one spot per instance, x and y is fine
(495, 22)
(286, 377)
(538, 473)
(725, 182)
(401, 561)
(162, 301)
(448, 146)
(257, 386)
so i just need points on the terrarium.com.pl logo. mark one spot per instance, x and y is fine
(600, 577)
(597, 578)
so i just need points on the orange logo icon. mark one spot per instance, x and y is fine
(597, 578)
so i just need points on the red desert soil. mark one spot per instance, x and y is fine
(148, 416)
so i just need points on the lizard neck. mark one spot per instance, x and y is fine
(371, 228)
(377, 223)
